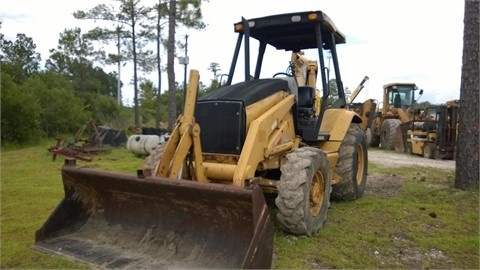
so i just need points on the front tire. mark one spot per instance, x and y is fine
(388, 132)
(304, 191)
(352, 166)
(408, 148)
(428, 150)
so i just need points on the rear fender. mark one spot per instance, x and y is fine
(336, 123)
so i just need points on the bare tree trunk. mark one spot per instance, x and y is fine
(159, 67)
(135, 76)
(467, 161)
(172, 95)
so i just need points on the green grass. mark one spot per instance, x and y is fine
(31, 188)
(370, 232)
(394, 233)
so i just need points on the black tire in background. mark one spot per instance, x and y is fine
(428, 150)
(304, 191)
(368, 135)
(375, 141)
(352, 166)
(388, 132)
(408, 148)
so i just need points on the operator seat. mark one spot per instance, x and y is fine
(306, 101)
(397, 101)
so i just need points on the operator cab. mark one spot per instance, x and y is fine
(296, 32)
(400, 95)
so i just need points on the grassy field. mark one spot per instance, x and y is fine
(428, 224)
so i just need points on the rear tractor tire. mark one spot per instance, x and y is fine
(304, 191)
(352, 166)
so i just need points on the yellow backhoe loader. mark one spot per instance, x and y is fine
(205, 197)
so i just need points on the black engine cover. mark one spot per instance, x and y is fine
(221, 113)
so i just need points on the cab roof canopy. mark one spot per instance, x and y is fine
(292, 31)
(388, 85)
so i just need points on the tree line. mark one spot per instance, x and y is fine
(72, 87)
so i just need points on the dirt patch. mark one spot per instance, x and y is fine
(384, 186)
(394, 159)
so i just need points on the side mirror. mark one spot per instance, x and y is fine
(420, 93)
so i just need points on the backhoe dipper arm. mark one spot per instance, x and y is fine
(358, 89)
(185, 136)
(305, 70)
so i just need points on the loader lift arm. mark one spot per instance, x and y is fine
(184, 138)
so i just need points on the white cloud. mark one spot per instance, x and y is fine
(396, 40)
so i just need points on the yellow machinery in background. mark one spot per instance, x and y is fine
(398, 98)
(365, 109)
(436, 135)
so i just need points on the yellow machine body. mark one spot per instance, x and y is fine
(203, 198)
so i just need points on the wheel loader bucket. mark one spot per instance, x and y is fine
(115, 220)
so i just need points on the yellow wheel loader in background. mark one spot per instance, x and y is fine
(202, 200)
(398, 99)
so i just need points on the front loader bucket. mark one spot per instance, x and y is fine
(115, 220)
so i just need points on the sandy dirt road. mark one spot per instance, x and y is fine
(393, 159)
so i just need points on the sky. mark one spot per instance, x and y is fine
(416, 41)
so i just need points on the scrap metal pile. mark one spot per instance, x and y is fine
(100, 141)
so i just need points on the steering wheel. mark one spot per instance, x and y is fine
(288, 72)
(282, 73)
